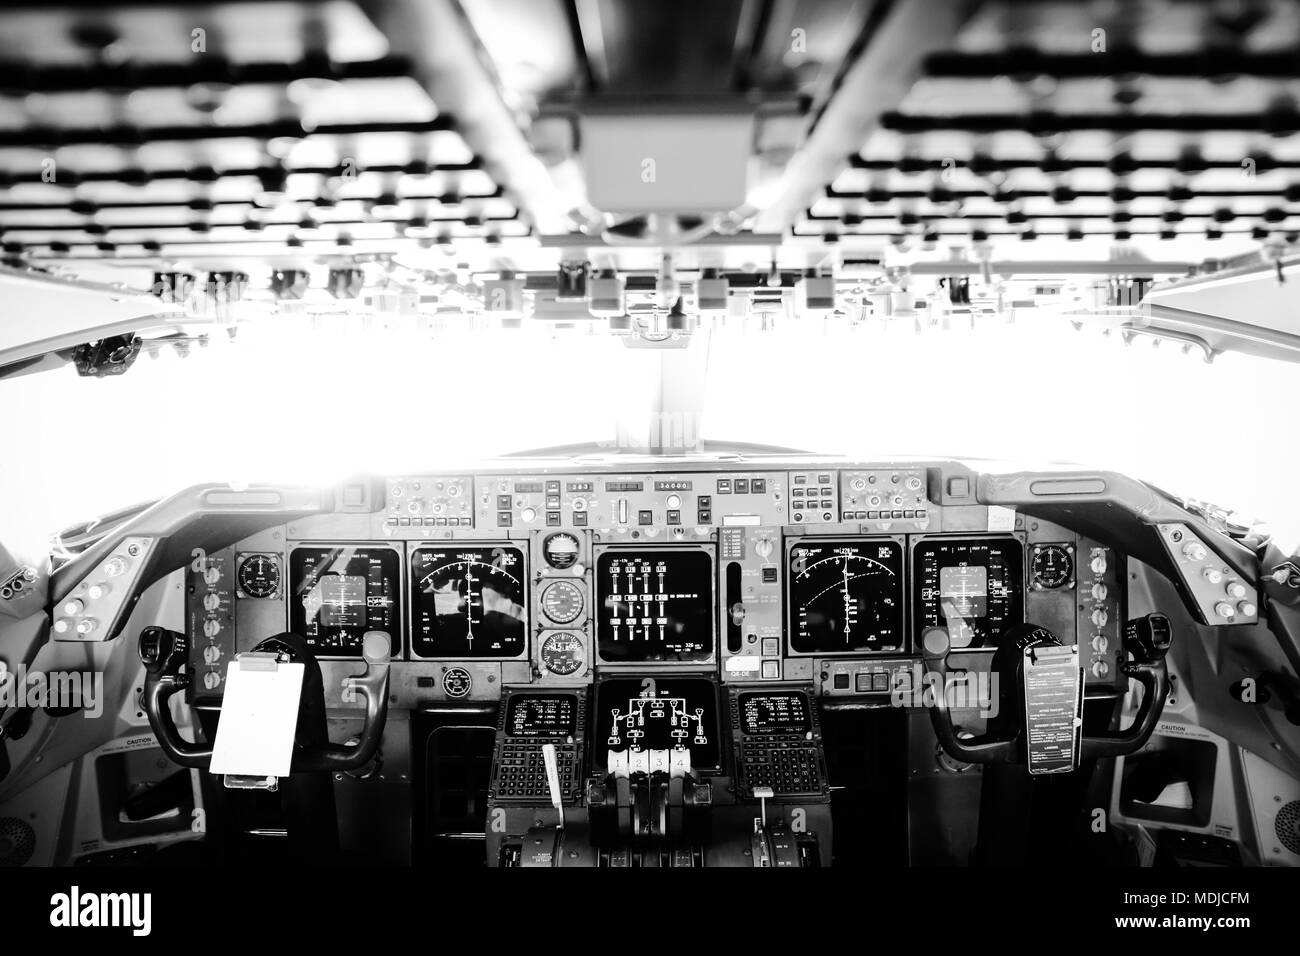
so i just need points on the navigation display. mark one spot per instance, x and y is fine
(972, 586)
(657, 713)
(340, 593)
(846, 596)
(764, 712)
(468, 601)
(542, 715)
(655, 604)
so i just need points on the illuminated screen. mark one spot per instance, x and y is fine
(340, 593)
(972, 586)
(964, 591)
(542, 715)
(846, 596)
(468, 601)
(342, 599)
(654, 713)
(762, 712)
(655, 605)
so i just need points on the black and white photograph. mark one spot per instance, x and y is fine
(442, 437)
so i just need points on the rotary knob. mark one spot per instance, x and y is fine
(211, 680)
(1236, 589)
(1100, 617)
(1099, 591)
(1213, 575)
(1225, 610)
(1099, 564)
(211, 654)
(1194, 551)
(1100, 669)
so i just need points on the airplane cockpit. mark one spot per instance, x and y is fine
(476, 434)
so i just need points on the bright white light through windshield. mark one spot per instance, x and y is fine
(281, 405)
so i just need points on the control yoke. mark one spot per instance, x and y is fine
(164, 654)
(1146, 640)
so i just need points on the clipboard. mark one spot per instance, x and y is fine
(259, 720)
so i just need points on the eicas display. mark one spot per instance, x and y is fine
(639, 715)
(468, 601)
(655, 605)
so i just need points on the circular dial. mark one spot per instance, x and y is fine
(1052, 566)
(457, 682)
(259, 576)
(561, 551)
(562, 602)
(846, 597)
(562, 654)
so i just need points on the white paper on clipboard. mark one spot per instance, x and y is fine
(259, 714)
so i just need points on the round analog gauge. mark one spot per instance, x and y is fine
(562, 654)
(259, 576)
(1052, 566)
(562, 602)
(561, 551)
(457, 682)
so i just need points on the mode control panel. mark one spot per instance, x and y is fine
(1220, 595)
(631, 502)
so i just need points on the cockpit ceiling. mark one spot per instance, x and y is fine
(244, 132)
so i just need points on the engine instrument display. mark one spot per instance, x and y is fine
(846, 597)
(640, 714)
(542, 715)
(770, 712)
(340, 593)
(655, 604)
(972, 586)
(468, 601)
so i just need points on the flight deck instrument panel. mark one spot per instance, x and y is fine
(817, 576)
